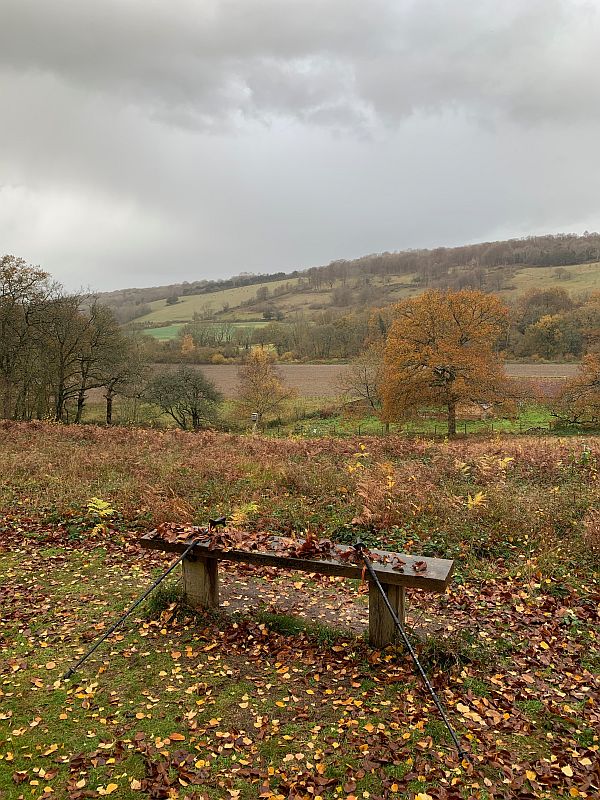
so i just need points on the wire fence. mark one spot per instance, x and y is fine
(311, 429)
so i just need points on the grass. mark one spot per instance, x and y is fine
(532, 416)
(166, 333)
(306, 419)
(265, 698)
(169, 332)
(215, 302)
(292, 626)
(584, 278)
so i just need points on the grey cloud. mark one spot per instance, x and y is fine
(146, 141)
(337, 62)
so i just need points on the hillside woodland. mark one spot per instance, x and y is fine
(550, 283)
(489, 265)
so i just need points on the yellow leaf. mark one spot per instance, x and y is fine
(423, 796)
(531, 775)
(544, 645)
(177, 737)
(478, 499)
(567, 771)
(135, 784)
(112, 787)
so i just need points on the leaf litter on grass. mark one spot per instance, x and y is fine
(162, 718)
(243, 704)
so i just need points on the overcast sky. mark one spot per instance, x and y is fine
(152, 141)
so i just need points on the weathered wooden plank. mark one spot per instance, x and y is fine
(382, 628)
(436, 578)
(201, 582)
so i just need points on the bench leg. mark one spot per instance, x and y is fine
(382, 628)
(201, 582)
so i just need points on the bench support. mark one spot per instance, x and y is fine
(382, 628)
(201, 582)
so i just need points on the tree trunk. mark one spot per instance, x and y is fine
(59, 405)
(6, 400)
(109, 405)
(80, 405)
(451, 417)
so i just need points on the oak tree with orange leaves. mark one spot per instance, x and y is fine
(441, 351)
(579, 401)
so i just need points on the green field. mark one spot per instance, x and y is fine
(584, 278)
(168, 332)
(308, 301)
(165, 333)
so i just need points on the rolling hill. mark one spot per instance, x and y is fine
(243, 304)
(510, 268)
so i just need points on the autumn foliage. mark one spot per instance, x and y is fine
(261, 389)
(442, 351)
(579, 402)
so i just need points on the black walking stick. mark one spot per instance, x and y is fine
(360, 549)
(131, 608)
(212, 524)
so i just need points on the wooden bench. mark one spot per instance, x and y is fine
(201, 577)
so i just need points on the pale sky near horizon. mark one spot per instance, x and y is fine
(146, 142)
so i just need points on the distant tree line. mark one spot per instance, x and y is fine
(543, 324)
(549, 324)
(56, 346)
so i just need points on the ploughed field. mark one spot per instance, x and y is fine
(324, 380)
(279, 695)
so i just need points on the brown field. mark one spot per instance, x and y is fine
(322, 380)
